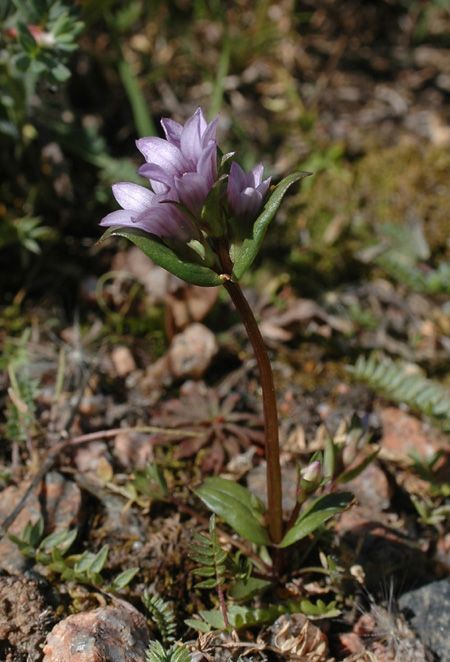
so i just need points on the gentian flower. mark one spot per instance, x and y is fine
(181, 170)
(246, 191)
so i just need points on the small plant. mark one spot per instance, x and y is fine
(204, 220)
(52, 553)
(163, 616)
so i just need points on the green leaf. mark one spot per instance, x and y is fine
(197, 624)
(350, 474)
(166, 258)
(123, 579)
(60, 73)
(244, 589)
(317, 514)
(248, 250)
(99, 560)
(59, 539)
(26, 39)
(329, 458)
(237, 506)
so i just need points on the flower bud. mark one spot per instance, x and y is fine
(311, 476)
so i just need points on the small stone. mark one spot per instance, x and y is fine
(404, 434)
(428, 611)
(88, 458)
(133, 451)
(191, 351)
(107, 634)
(257, 484)
(371, 488)
(123, 360)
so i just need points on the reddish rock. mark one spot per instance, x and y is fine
(404, 434)
(133, 451)
(371, 488)
(107, 634)
(90, 457)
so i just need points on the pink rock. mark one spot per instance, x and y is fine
(107, 634)
(404, 434)
(371, 488)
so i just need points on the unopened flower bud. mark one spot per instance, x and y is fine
(311, 476)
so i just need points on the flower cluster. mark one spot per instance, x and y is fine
(182, 169)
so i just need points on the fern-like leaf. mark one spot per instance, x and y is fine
(210, 556)
(162, 614)
(157, 653)
(393, 380)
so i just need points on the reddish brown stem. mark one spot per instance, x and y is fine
(274, 488)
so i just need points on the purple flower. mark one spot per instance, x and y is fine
(181, 170)
(246, 191)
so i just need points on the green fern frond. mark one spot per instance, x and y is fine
(393, 380)
(162, 614)
(157, 653)
(210, 556)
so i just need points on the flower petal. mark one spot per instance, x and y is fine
(119, 217)
(163, 154)
(255, 175)
(172, 130)
(210, 132)
(157, 174)
(166, 220)
(264, 186)
(192, 190)
(207, 163)
(190, 141)
(132, 196)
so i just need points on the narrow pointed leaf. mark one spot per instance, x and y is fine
(250, 247)
(237, 506)
(323, 509)
(166, 258)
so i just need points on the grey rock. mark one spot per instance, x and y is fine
(428, 610)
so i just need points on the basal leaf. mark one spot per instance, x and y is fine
(323, 509)
(237, 506)
(250, 246)
(166, 258)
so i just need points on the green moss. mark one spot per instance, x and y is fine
(386, 186)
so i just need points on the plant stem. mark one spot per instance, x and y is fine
(274, 488)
